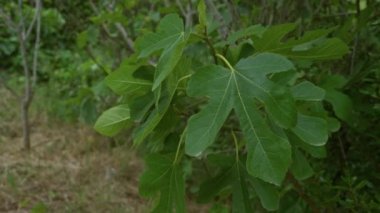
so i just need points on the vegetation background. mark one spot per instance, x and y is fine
(69, 47)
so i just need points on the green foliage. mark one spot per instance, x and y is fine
(164, 176)
(171, 38)
(277, 115)
(113, 120)
(237, 89)
(232, 101)
(341, 103)
(312, 45)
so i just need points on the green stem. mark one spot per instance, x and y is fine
(184, 77)
(226, 62)
(236, 146)
(212, 48)
(179, 146)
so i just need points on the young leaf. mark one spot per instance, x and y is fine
(165, 177)
(170, 37)
(113, 120)
(313, 45)
(268, 154)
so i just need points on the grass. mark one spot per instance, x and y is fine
(69, 169)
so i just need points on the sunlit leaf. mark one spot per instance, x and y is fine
(113, 120)
(268, 154)
(170, 37)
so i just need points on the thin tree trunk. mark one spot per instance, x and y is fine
(25, 125)
(30, 81)
(27, 98)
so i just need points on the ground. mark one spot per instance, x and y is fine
(70, 169)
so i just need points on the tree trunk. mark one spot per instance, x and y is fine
(25, 124)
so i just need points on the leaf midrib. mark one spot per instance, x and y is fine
(133, 82)
(268, 93)
(259, 142)
(121, 119)
(219, 107)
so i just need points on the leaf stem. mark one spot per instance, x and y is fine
(213, 51)
(184, 77)
(179, 146)
(225, 61)
(236, 146)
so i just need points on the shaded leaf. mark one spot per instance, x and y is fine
(307, 91)
(238, 181)
(233, 178)
(312, 130)
(245, 33)
(341, 103)
(300, 168)
(268, 194)
(315, 151)
(166, 178)
(168, 90)
(312, 45)
(213, 186)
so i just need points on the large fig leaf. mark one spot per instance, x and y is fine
(243, 88)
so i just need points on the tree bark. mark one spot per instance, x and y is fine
(30, 78)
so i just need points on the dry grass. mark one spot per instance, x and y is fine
(70, 168)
